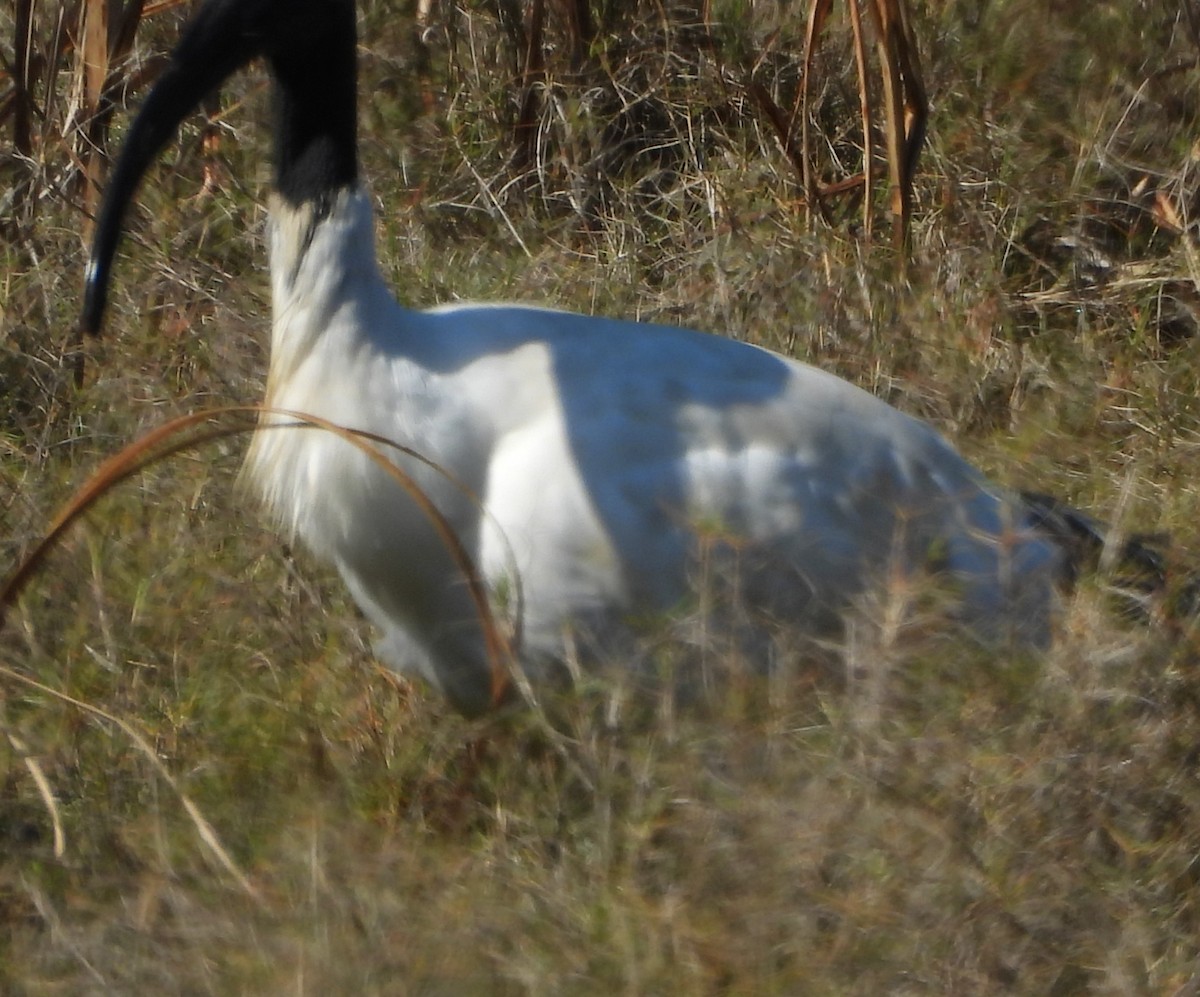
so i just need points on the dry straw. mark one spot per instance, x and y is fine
(183, 434)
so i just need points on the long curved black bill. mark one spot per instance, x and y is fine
(222, 37)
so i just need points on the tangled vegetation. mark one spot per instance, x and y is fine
(207, 785)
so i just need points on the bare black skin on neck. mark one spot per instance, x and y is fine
(309, 47)
(316, 134)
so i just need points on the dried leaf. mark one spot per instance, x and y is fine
(1165, 214)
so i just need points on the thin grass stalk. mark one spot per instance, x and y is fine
(818, 12)
(864, 104)
(916, 101)
(205, 829)
(105, 45)
(61, 43)
(905, 110)
(45, 791)
(582, 30)
(533, 80)
(93, 69)
(783, 132)
(893, 110)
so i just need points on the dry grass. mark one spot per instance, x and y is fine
(943, 822)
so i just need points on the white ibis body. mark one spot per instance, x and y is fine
(583, 457)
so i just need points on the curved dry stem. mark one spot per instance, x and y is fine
(497, 646)
(185, 433)
(131, 459)
(170, 439)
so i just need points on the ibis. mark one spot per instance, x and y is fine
(586, 468)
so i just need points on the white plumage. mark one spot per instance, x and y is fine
(597, 449)
(584, 455)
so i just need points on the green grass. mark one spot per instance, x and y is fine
(942, 821)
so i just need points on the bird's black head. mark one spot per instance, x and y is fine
(309, 46)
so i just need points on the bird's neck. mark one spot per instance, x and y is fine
(323, 268)
(321, 226)
(316, 138)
